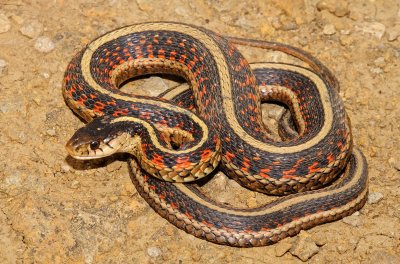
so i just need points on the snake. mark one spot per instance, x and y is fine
(184, 135)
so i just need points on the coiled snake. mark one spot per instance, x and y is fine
(176, 145)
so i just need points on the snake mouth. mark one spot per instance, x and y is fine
(86, 148)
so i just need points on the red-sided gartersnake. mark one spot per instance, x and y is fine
(174, 144)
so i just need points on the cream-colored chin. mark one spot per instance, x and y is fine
(88, 157)
(99, 154)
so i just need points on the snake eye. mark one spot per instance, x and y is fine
(94, 145)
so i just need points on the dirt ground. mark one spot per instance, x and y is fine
(57, 210)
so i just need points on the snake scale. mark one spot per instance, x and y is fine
(317, 167)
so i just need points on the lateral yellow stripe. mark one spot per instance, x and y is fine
(356, 178)
(152, 134)
(176, 91)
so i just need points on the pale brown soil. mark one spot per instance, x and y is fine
(56, 210)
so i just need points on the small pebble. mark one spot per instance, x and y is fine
(31, 29)
(346, 40)
(342, 9)
(274, 111)
(304, 247)
(154, 252)
(44, 44)
(113, 198)
(320, 238)
(45, 75)
(353, 220)
(395, 163)
(380, 62)
(341, 249)
(152, 86)
(375, 197)
(243, 22)
(21, 138)
(374, 28)
(17, 19)
(376, 70)
(373, 152)
(338, 8)
(325, 5)
(144, 5)
(290, 26)
(75, 184)
(3, 66)
(393, 33)
(12, 106)
(329, 29)
(182, 11)
(345, 31)
(303, 41)
(65, 168)
(281, 248)
(220, 181)
(382, 256)
(276, 23)
(5, 23)
(51, 132)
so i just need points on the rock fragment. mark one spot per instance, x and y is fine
(282, 247)
(353, 220)
(337, 8)
(329, 29)
(144, 5)
(5, 23)
(51, 132)
(375, 197)
(3, 66)
(154, 252)
(381, 256)
(304, 247)
(31, 29)
(44, 44)
(289, 24)
(374, 28)
(153, 86)
(393, 33)
(380, 62)
(395, 163)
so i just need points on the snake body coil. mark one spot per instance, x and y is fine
(174, 144)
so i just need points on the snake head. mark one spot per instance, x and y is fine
(97, 139)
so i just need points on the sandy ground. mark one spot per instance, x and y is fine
(56, 210)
